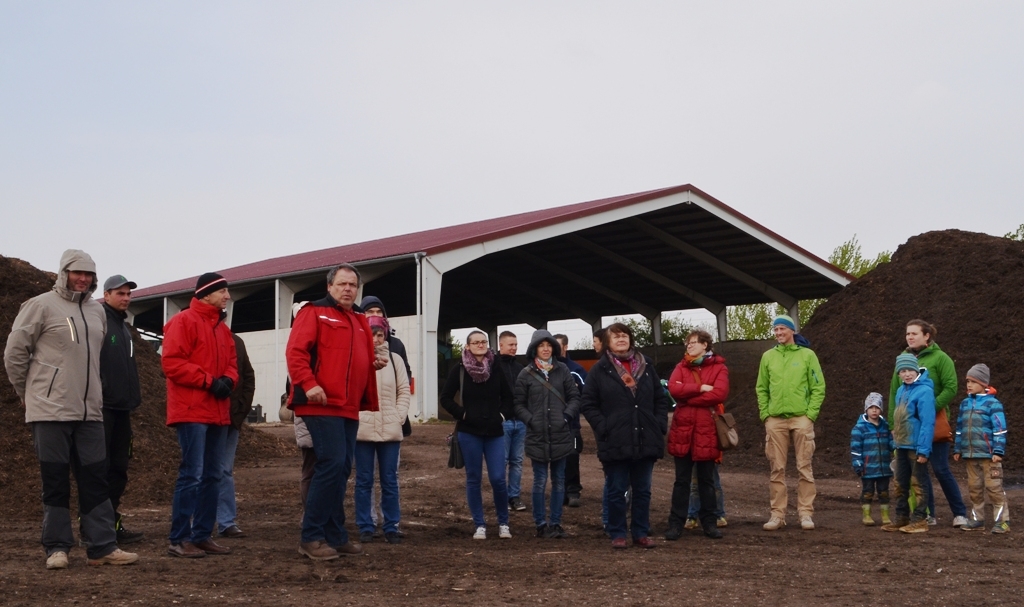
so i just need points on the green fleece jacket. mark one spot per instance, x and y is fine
(790, 383)
(940, 370)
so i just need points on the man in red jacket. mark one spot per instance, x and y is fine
(200, 364)
(332, 366)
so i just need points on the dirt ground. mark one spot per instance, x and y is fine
(839, 563)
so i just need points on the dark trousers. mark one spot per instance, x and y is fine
(907, 466)
(681, 492)
(871, 486)
(308, 462)
(117, 428)
(573, 488)
(334, 442)
(64, 448)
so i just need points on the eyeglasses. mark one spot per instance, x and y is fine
(478, 343)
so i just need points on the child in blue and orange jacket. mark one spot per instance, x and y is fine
(871, 448)
(981, 443)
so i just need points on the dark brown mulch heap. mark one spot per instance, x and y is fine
(970, 286)
(156, 454)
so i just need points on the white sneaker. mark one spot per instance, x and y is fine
(504, 532)
(774, 524)
(481, 533)
(807, 523)
(57, 560)
(959, 521)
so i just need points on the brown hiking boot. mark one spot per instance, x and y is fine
(349, 549)
(185, 550)
(318, 551)
(896, 524)
(117, 557)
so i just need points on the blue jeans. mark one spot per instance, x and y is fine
(695, 496)
(385, 454)
(194, 509)
(515, 445)
(334, 442)
(622, 475)
(906, 465)
(476, 449)
(940, 466)
(540, 482)
(226, 508)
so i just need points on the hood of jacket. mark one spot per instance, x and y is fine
(78, 261)
(541, 336)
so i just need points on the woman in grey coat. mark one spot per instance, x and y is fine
(546, 398)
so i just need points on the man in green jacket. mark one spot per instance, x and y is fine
(790, 390)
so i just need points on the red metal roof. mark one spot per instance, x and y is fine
(438, 240)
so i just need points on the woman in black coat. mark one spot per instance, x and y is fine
(546, 398)
(486, 402)
(628, 410)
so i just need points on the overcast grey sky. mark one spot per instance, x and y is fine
(172, 138)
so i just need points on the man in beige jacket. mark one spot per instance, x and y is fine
(53, 360)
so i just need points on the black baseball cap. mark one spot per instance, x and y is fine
(116, 282)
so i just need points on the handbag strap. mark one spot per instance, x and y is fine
(546, 385)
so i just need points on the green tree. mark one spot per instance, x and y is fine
(674, 329)
(1018, 235)
(754, 321)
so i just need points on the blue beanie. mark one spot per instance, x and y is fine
(906, 361)
(785, 321)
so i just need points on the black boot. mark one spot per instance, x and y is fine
(712, 531)
(675, 531)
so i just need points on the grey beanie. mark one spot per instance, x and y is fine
(980, 374)
(873, 400)
(906, 361)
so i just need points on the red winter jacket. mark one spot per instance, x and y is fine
(197, 349)
(332, 348)
(693, 425)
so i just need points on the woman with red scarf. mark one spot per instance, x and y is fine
(699, 385)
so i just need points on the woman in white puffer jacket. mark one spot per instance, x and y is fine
(379, 440)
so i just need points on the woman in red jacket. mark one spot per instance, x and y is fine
(699, 384)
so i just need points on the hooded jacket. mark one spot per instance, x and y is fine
(913, 420)
(332, 347)
(693, 429)
(385, 424)
(52, 356)
(871, 448)
(790, 383)
(981, 427)
(627, 426)
(118, 371)
(198, 348)
(941, 372)
(549, 435)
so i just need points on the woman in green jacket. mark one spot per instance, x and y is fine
(920, 343)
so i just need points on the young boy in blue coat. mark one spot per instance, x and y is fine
(981, 443)
(913, 427)
(871, 448)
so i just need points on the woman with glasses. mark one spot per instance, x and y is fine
(479, 398)
(699, 386)
(628, 410)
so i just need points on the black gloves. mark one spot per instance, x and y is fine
(222, 387)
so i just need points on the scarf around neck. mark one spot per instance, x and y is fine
(637, 366)
(544, 366)
(696, 361)
(479, 370)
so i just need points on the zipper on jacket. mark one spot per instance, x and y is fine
(88, 362)
(53, 379)
(72, 328)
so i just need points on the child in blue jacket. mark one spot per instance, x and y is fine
(913, 427)
(871, 448)
(981, 443)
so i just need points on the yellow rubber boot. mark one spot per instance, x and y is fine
(885, 515)
(866, 519)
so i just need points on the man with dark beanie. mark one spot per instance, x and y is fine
(121, 395)
(200, 363)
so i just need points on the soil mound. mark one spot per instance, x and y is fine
(969, 285)
(155, 450)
